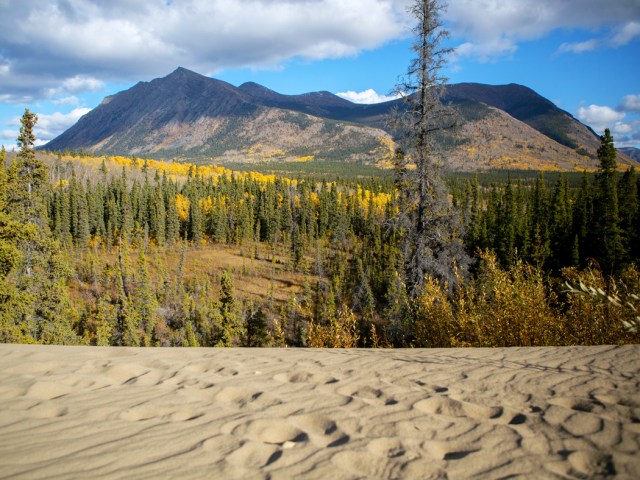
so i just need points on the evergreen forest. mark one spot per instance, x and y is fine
(130, 252)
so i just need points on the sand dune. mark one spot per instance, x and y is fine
(76, 412)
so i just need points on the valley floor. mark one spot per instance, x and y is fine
(79, 412)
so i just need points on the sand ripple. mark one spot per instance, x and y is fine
(75, 412)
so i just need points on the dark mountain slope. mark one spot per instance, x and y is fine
(529, 107)
(186, 115)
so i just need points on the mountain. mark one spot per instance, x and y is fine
(189, 116)
(529, 107)
(186, 115)
(631, 152)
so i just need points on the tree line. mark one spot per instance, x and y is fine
(103, 260)
(557, 226)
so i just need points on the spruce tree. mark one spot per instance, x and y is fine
(256, 327)
(628, 210)
(606, 228)
(582, 220)
(560, 227)
(432, 228)
(43, 311)
(229, 321)
(539, 241)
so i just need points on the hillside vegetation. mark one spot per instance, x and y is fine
(140, 252)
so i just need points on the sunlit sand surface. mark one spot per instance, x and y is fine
(88, 412)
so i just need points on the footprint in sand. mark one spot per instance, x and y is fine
(48, 390)
(367, 465)
(124, 374)
(270, 431)
(580, 424)
(387, 458)
(372, 396)
(151, 412)
(34, 368)
(322, 430)
(304, 377)
(578, 404)
(454, 408)
(253, 455)
(591, 464)
(227, 372)
(243, 397)
(389, 447)
(47, 410)
(449, 450)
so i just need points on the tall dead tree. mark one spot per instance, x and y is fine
(432, 245)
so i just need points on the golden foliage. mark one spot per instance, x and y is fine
(342, 331)
(435, 323)
(505, 308)
(182, 203)
(385, 152)
(600, 312)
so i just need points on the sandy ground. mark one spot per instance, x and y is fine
(77, 412)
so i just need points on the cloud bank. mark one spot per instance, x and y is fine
(58, 48)
(494, 28)
(624, 127)
(366, 96)
(47, 128)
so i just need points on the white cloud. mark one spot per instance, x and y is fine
(72, 85)
(621, 128)
(82, 83)
(50, 126)
(625, 131)
(630, 103)
(71, 100)
(493, 28)
(8, 138)
(366, 96)
(579, 47)
(78, 42)
(487, 51)
(599, 117)
(626, 33)
(627, 134)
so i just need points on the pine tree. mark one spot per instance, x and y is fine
(29, 178)
(256, 327)
(158, 215)
(229, 323)
(628, 210)
(196, 223)
(560, 227)
(539, 241)
(582, 220)
(37, 306)
(506, 233)
(145, 302)
(606, 228)
(433, 232)
(79, 212)
(172, 230)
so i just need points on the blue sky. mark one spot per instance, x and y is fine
(60, 58)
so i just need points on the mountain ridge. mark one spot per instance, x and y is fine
(186, 115)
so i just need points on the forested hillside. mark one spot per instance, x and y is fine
(119, 251)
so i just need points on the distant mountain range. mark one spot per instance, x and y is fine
(188, 116)
(631, 152)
